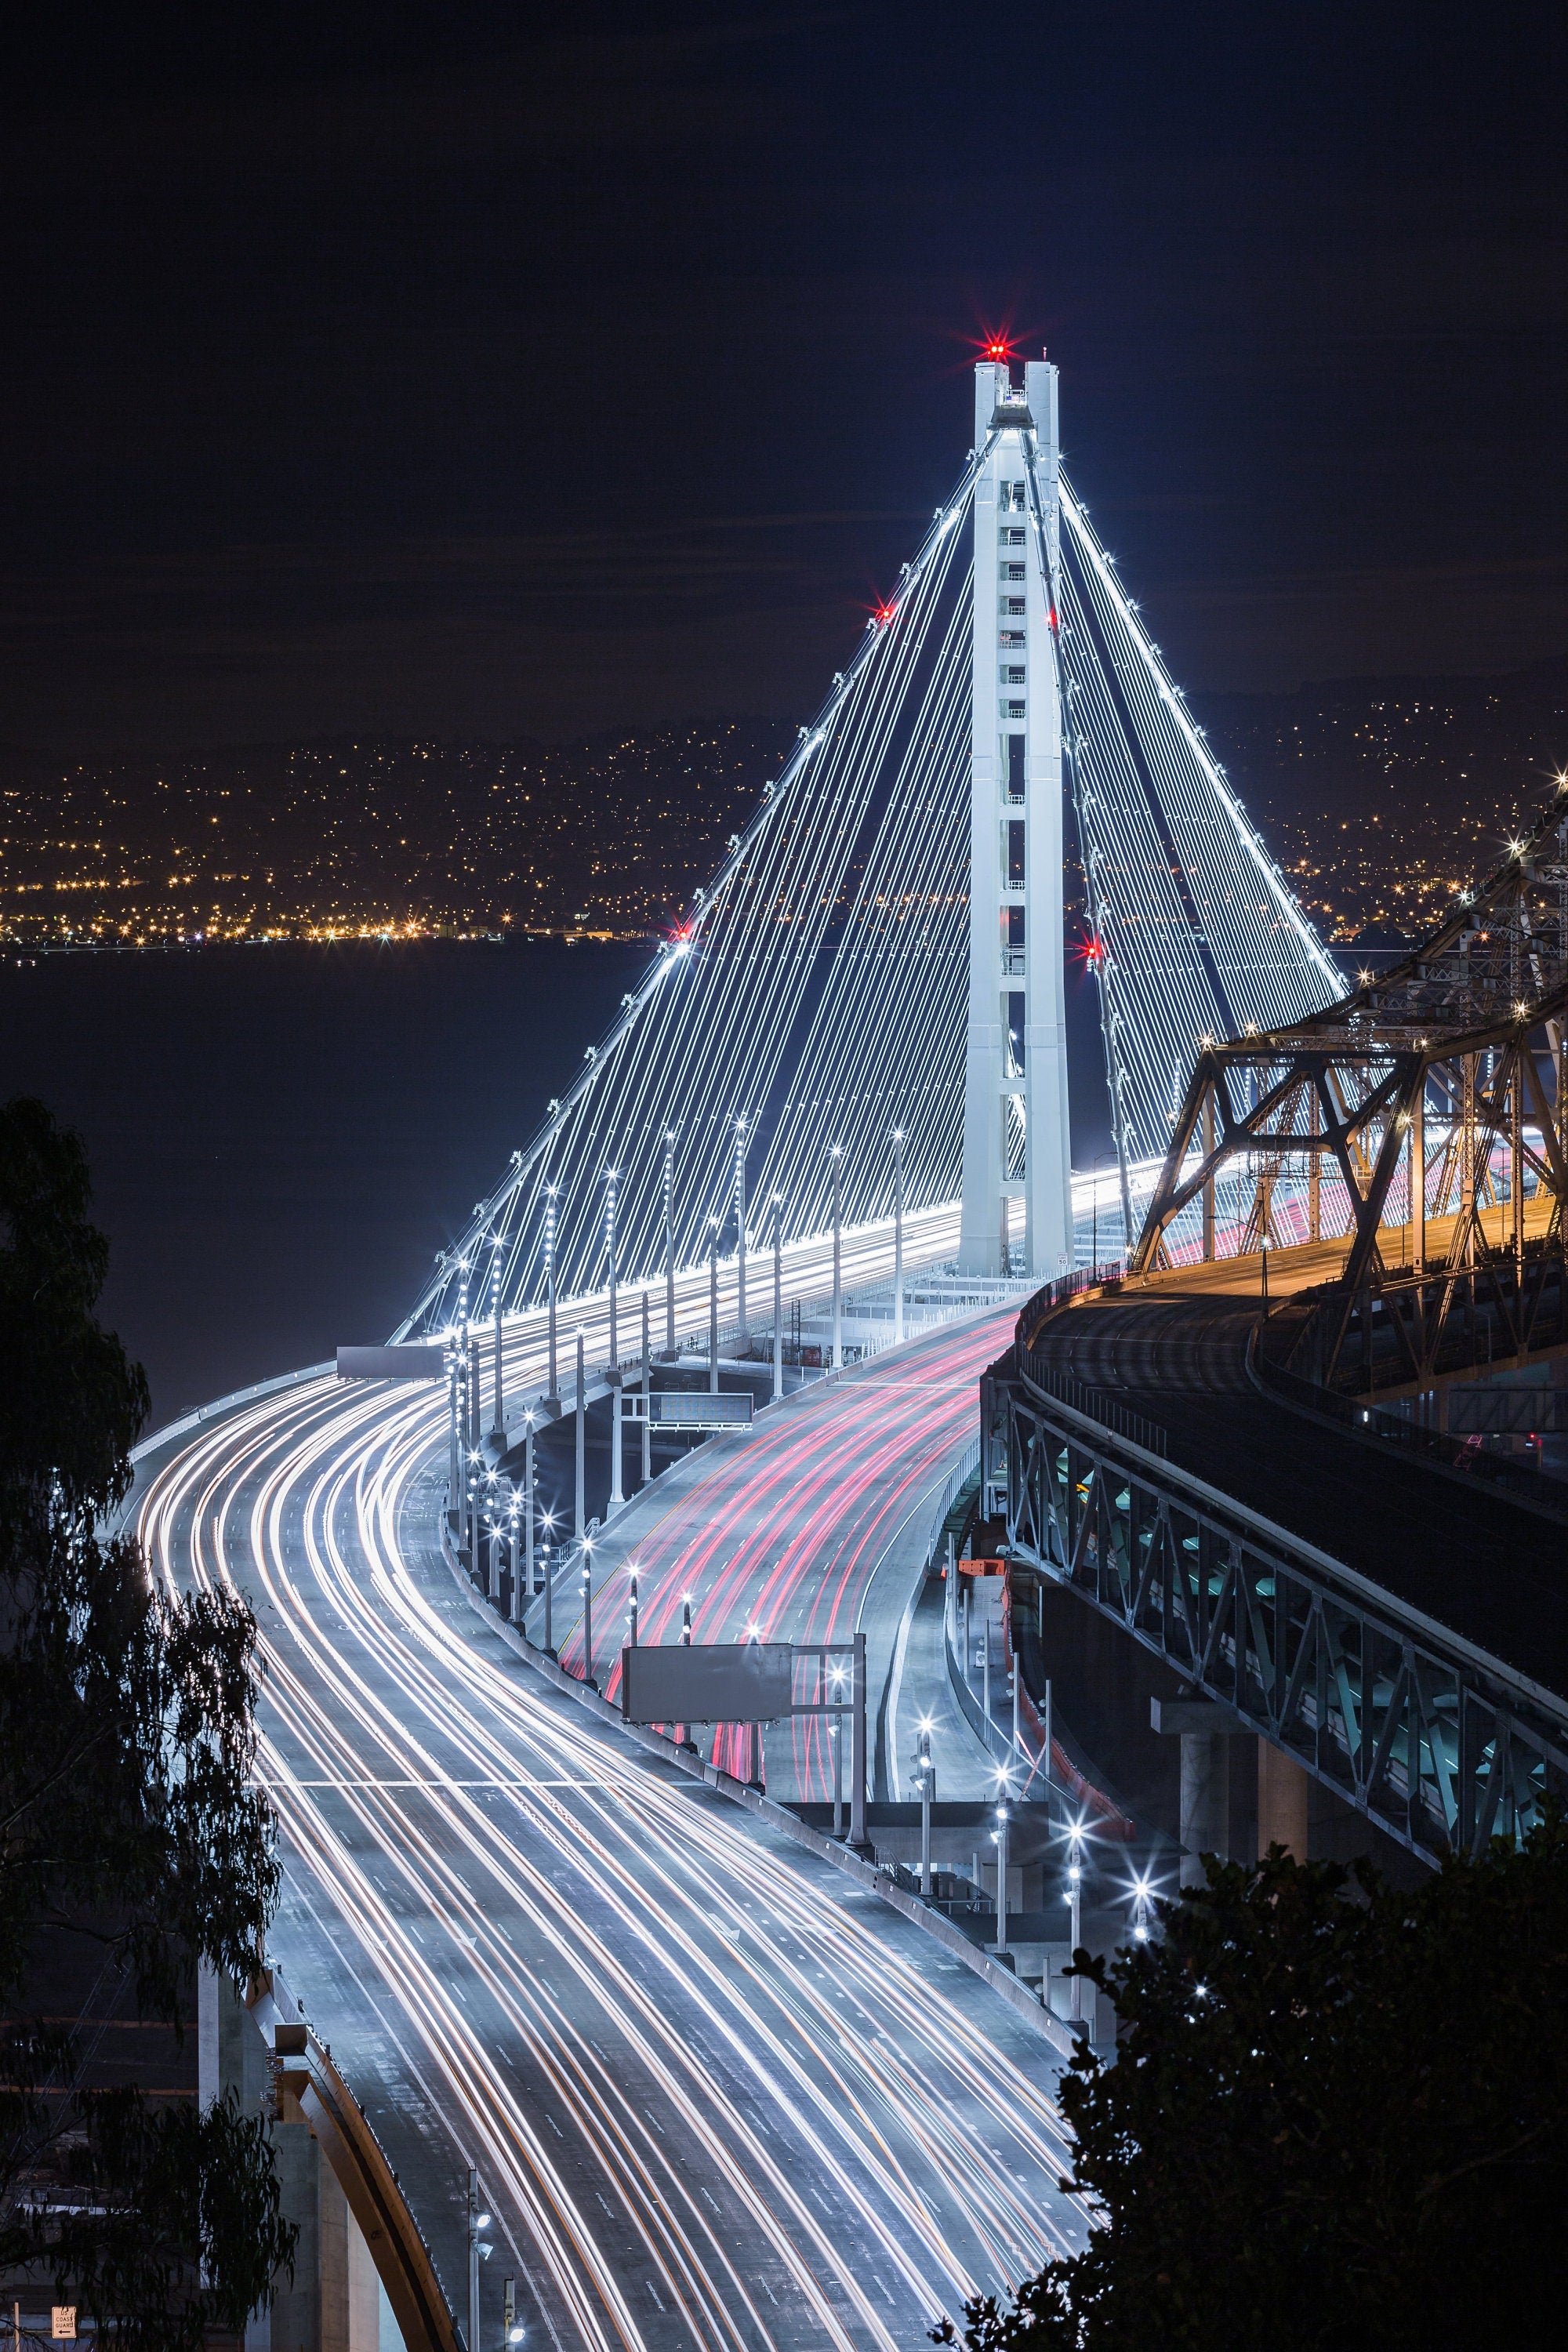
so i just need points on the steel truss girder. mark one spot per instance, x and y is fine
(1490, 978)
(1428, 1314)
(1438, 1744)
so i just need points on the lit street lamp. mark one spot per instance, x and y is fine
(897, 1235)
(547, 1519)
(646, 1397)
(478, 2250)
(1000, 1834)
(580, 1519)
(925, 1773)
(744, 1344)
(778, 1296)
(838, 1158)
(499, 1429)
(669, 1243)
(552, 1393)
(613, 1370)
(1075, 1899)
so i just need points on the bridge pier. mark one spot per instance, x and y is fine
(1205, 1800)
(334, 2301)
(1283, 1786)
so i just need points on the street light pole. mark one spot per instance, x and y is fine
(496, 1283)
(588, 1621)
(1101, 1162)
(454, 1493)
(713, 1306)
(778, 1296)
(552, 1392)
(897, 1235)
(928, 1794)
(581, 1509)
(1001, 1836)
(465, 1536)
(744, 1344)
(528, 1501)
(669, 1243)
(647, 1395)
(1017, 1678)
(610, 1259)
(857, 1750)
(837, 1267)
(476, 2224)
(1075, 1897)
(612, 1374)
(493, 1566)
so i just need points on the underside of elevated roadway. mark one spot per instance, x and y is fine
(1173, 1349)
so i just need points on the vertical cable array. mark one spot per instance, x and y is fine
(816, 989)
(1197, 933)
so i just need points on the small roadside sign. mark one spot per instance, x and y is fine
(62, 2322)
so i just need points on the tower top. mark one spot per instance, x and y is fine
(1000, 405)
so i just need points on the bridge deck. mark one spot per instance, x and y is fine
(697, 2068)
(1489, 1568)
(1302, 1265)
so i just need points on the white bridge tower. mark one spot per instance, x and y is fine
(1017, 1188)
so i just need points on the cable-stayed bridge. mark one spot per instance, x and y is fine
(866, 999)
(716, 2091)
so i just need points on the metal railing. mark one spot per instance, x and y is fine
(1108, 1411)
(1440, 1743)
(1380, 1427)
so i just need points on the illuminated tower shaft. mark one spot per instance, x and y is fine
(1017, 1193)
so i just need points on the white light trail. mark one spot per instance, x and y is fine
(561, 1947)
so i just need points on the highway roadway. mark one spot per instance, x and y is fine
(718, 2095)
(814, 1525)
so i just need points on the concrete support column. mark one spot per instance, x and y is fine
(1205, 1731)
(1205, 1800)
(1282, 1786)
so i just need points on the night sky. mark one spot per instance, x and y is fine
(487, 372)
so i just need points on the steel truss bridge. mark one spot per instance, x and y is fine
(1330, 1560)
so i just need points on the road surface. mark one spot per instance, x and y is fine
(717, 2094)
(814, 1526)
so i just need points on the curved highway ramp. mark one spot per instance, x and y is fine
(717, 2094)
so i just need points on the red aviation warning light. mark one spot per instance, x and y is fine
(997, 348)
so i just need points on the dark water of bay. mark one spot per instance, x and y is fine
(283, 1138)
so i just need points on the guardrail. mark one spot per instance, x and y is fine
(305, 2074)
(1434, 1738)
(964, 1471)
(1108, 1411)
(1041, 1302)
(1378, 1427)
